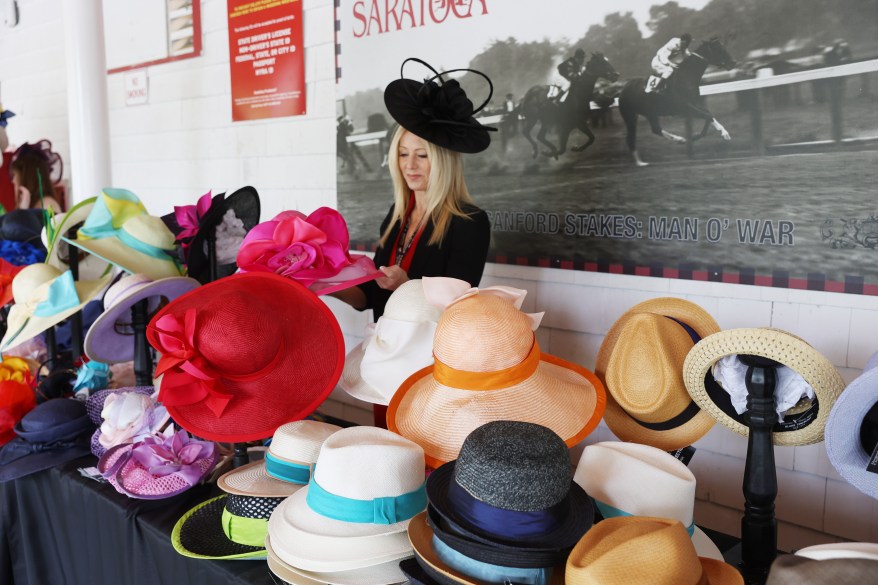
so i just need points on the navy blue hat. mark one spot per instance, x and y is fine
(22, 225)
(53, 433)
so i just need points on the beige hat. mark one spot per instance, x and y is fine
(634, 550)
(641, 364)
(797, 570)
(119, 230)
(629, 479)
(58, 251)
(45, 296)
(803, 424)
(489, 367)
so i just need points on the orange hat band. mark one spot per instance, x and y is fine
(496, 380)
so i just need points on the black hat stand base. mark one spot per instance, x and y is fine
(142, 356)
(76, 345)
(759, 525)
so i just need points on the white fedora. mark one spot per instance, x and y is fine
(630, 479)
(287, 465)
(394, 348)
(234, 526)
(852, 430)
(381, 574)
(367, 484)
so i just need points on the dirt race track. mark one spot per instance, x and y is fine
(597, 206)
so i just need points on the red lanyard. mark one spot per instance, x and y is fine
(405, 253)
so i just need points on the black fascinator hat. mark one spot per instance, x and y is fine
(438, 110)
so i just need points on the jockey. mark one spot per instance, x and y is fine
(570, 69)
(668, 58)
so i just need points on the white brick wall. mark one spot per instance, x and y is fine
(183, 142)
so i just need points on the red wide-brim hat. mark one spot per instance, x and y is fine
(245, 354)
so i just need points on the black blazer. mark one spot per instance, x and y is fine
(462, 255)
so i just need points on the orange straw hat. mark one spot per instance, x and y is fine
(488, 367)
(638, 550)
(641, 364)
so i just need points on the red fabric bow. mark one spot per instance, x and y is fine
(188, 378)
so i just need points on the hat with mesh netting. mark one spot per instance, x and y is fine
(243, 355)
(159, 466)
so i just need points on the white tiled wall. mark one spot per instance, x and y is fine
(814, 505)
(183, 143)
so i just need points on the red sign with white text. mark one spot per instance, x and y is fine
(266, 58)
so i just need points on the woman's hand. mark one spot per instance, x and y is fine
(393, 277)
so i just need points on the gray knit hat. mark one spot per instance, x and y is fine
(512, 485)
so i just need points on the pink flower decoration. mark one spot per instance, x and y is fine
(175, 454)
(188, 216)
(306, 249)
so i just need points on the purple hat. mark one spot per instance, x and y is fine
(53, 433)
(110, 339)
(158, 467)
(124, 415)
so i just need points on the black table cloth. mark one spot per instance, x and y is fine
(58, 527)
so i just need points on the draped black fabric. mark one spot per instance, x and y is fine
(57, 527)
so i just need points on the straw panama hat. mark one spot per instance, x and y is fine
(45, 296)
(640, 363)
(488, 366)
(119, 230)
(367, 484)
(399, 344)
(104, 342)
(58, 251)
(384, 573)
(803, 425)
(636, 550)
(639, 480)
(852, 430)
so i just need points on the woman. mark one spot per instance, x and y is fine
(433, 227)
(34, 169)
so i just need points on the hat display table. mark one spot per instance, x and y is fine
(57, 526)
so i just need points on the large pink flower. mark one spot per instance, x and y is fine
(306, 249)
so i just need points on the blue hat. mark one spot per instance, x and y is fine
(53, 433)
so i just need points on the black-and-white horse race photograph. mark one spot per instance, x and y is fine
(726, 140)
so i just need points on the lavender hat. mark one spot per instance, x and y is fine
(852, 430)
(110, 338)
(53, 433)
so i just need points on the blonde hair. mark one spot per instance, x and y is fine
(446, 188)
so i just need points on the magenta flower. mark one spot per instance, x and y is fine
(188, 216)
(306, 249)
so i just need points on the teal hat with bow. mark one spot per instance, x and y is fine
(119, 230)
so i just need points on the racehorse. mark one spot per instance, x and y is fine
(573, 112)
(680, 97)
